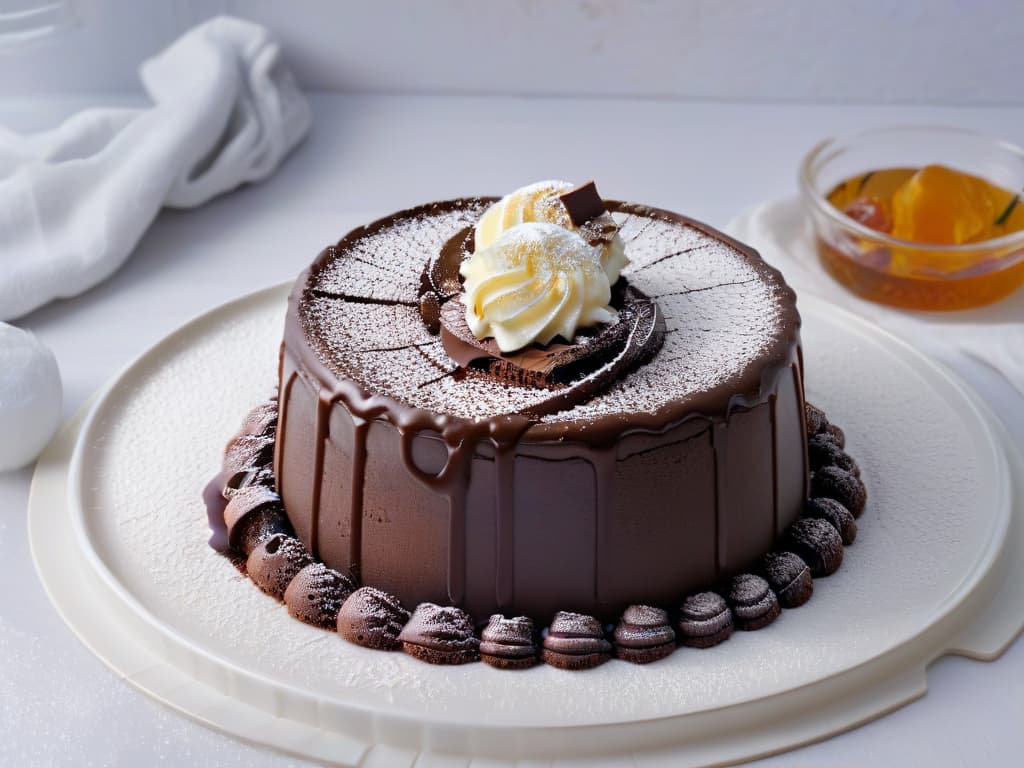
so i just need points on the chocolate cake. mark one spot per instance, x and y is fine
(659, 450)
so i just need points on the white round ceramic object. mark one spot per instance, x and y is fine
(30, 397)
(120, 543)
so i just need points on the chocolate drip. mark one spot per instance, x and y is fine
(773, 416)
(282, 420)
(603, 461)
(719, 438)
(355, 529)
(323, 412)
(504, 577)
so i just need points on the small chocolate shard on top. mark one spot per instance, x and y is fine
(583, 203)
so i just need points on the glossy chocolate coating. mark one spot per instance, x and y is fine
(519, 514)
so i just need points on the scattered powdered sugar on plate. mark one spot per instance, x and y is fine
(722, 309)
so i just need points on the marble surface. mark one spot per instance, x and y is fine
(372, 154)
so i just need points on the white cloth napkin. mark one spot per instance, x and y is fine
(75, 201)
(992, 335)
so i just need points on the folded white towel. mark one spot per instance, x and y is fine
(75, 201)
(993, 335)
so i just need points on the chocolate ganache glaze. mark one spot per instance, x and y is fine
(442, 471)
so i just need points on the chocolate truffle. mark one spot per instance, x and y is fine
(373, 619)
(248, 451)
(817, 543)
(836, 433)
(843, 486)
(261, 420)
(836, 515)
(754, 605)
(508, 643)
(245, 478)
(824, 451)
(704, 620)
(440, 634)
(576, 641)
(815, 418)
(316, 593)
(789, 577)
(275, 562)
(260, 526)
(644, 634)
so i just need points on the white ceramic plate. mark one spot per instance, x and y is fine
(135, 578)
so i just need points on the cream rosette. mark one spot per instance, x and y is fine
(539, 202)
(534, 282)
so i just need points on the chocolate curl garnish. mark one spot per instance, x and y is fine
(583, 203)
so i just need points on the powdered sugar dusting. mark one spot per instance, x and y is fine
(722, 311)
(386, 264)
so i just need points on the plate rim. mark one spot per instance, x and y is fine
(95, 408)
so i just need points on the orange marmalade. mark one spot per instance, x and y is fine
(933, 206)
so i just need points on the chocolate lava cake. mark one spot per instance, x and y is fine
(657, 451)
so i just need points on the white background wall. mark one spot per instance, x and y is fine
(939, 51)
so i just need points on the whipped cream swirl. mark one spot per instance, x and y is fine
(535, 281)
(539, 202)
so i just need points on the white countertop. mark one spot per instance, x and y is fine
(368, 155)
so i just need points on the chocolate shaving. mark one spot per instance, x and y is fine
(583, 203)
(616, 348)
(442, 272)
(430, 312)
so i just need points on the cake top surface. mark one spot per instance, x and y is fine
(727, 314)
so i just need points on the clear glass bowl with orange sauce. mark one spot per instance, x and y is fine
(918, 217)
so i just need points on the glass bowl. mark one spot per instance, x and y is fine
(898, 272)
